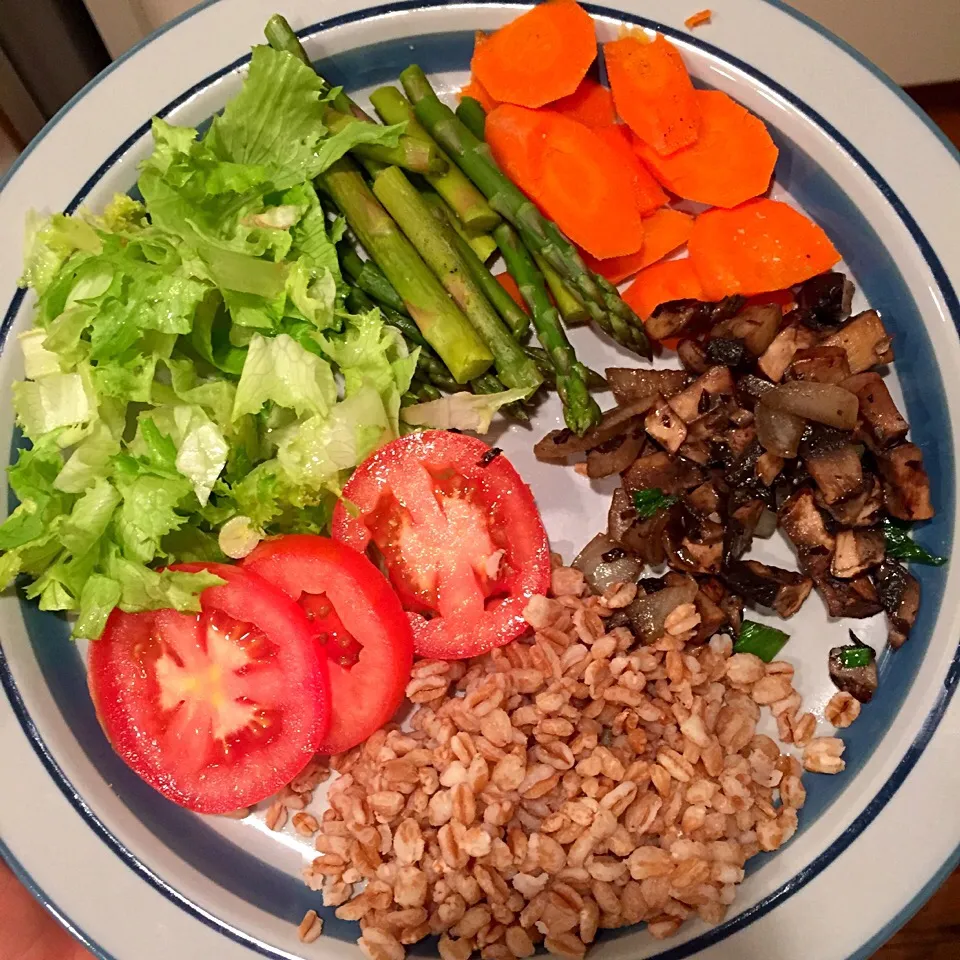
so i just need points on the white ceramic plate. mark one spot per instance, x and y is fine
(139, 879)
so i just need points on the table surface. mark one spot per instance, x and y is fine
(934, 933)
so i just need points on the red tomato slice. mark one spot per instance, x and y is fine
(216, 710)
(460, 535)
(357, 617)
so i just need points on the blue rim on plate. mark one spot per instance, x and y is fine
(908, 760)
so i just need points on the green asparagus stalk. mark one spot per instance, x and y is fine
(471, 114)
(542, 236)
(370, 279)
(490, 384)
(440, 321)
(482, 244)
(595, 381)
(467, 201)
(410, 153)
(280, 36)
(435, 245)
(424, 392)
(573, 312)
(580, 410)
(515, 318)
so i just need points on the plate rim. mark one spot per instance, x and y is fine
(907, 761)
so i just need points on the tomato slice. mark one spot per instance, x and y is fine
(357, 618)
(216, 710)
(459, 533)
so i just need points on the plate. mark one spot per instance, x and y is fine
(135, 877)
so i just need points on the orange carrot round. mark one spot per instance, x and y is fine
(759, 246)
(572, 174)
(663, 232)
(653, 92)
(661, 283)
(649, 194)
(590, 104)
(479, 93)
(731, 162)
(515, 136)
(539, 57)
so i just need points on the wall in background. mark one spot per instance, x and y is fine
(915, 42)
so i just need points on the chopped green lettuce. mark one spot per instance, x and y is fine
(461, 411)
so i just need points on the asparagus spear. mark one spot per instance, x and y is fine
(280, 36)
(490, 384)
(440, 321)
(435, 245)
(370, 279)
(473, 156)
(410, 153)
(471, 114)
(513, 316)
(541, 358)
(580, 410)
(467, 201)
(571, 309)
(482, 244)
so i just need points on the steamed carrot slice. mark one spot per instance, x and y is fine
(731, 162)
(759, 246)
(572, 174)
(648, 192)
(653, 92)
(590, 104)
(698, 19)
(539, 57)
(663, 232)
(510, 285)
(516, 138)
(661, 283)
(479, 93)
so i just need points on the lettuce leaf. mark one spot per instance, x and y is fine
(461, 411)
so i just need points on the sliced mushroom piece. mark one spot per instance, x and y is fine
(803, 523)
(669, 319)
(855, 598)
(693, 356)
(768, 468)
(728, 352)
(560, 445)
(694, 544)
(853, 668)
(705, 499)
(837, 473)
(824, 300)
(717, 381)
(712, 617)
(900, 595)
(621, 516)
(664, 426)
(672, 475)
(645, 538)
(863, 509)
(615, 455)
(742, 471)
(857, 552)
(825, 403)
(779, 355)
(743, 515)
(883, 424)
(906, 486)
(751, 387)
(630, 384)
(820, 364)
(865, 341)
(755, 326)
(766, 586)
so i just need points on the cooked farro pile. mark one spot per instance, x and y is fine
(571, 781)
